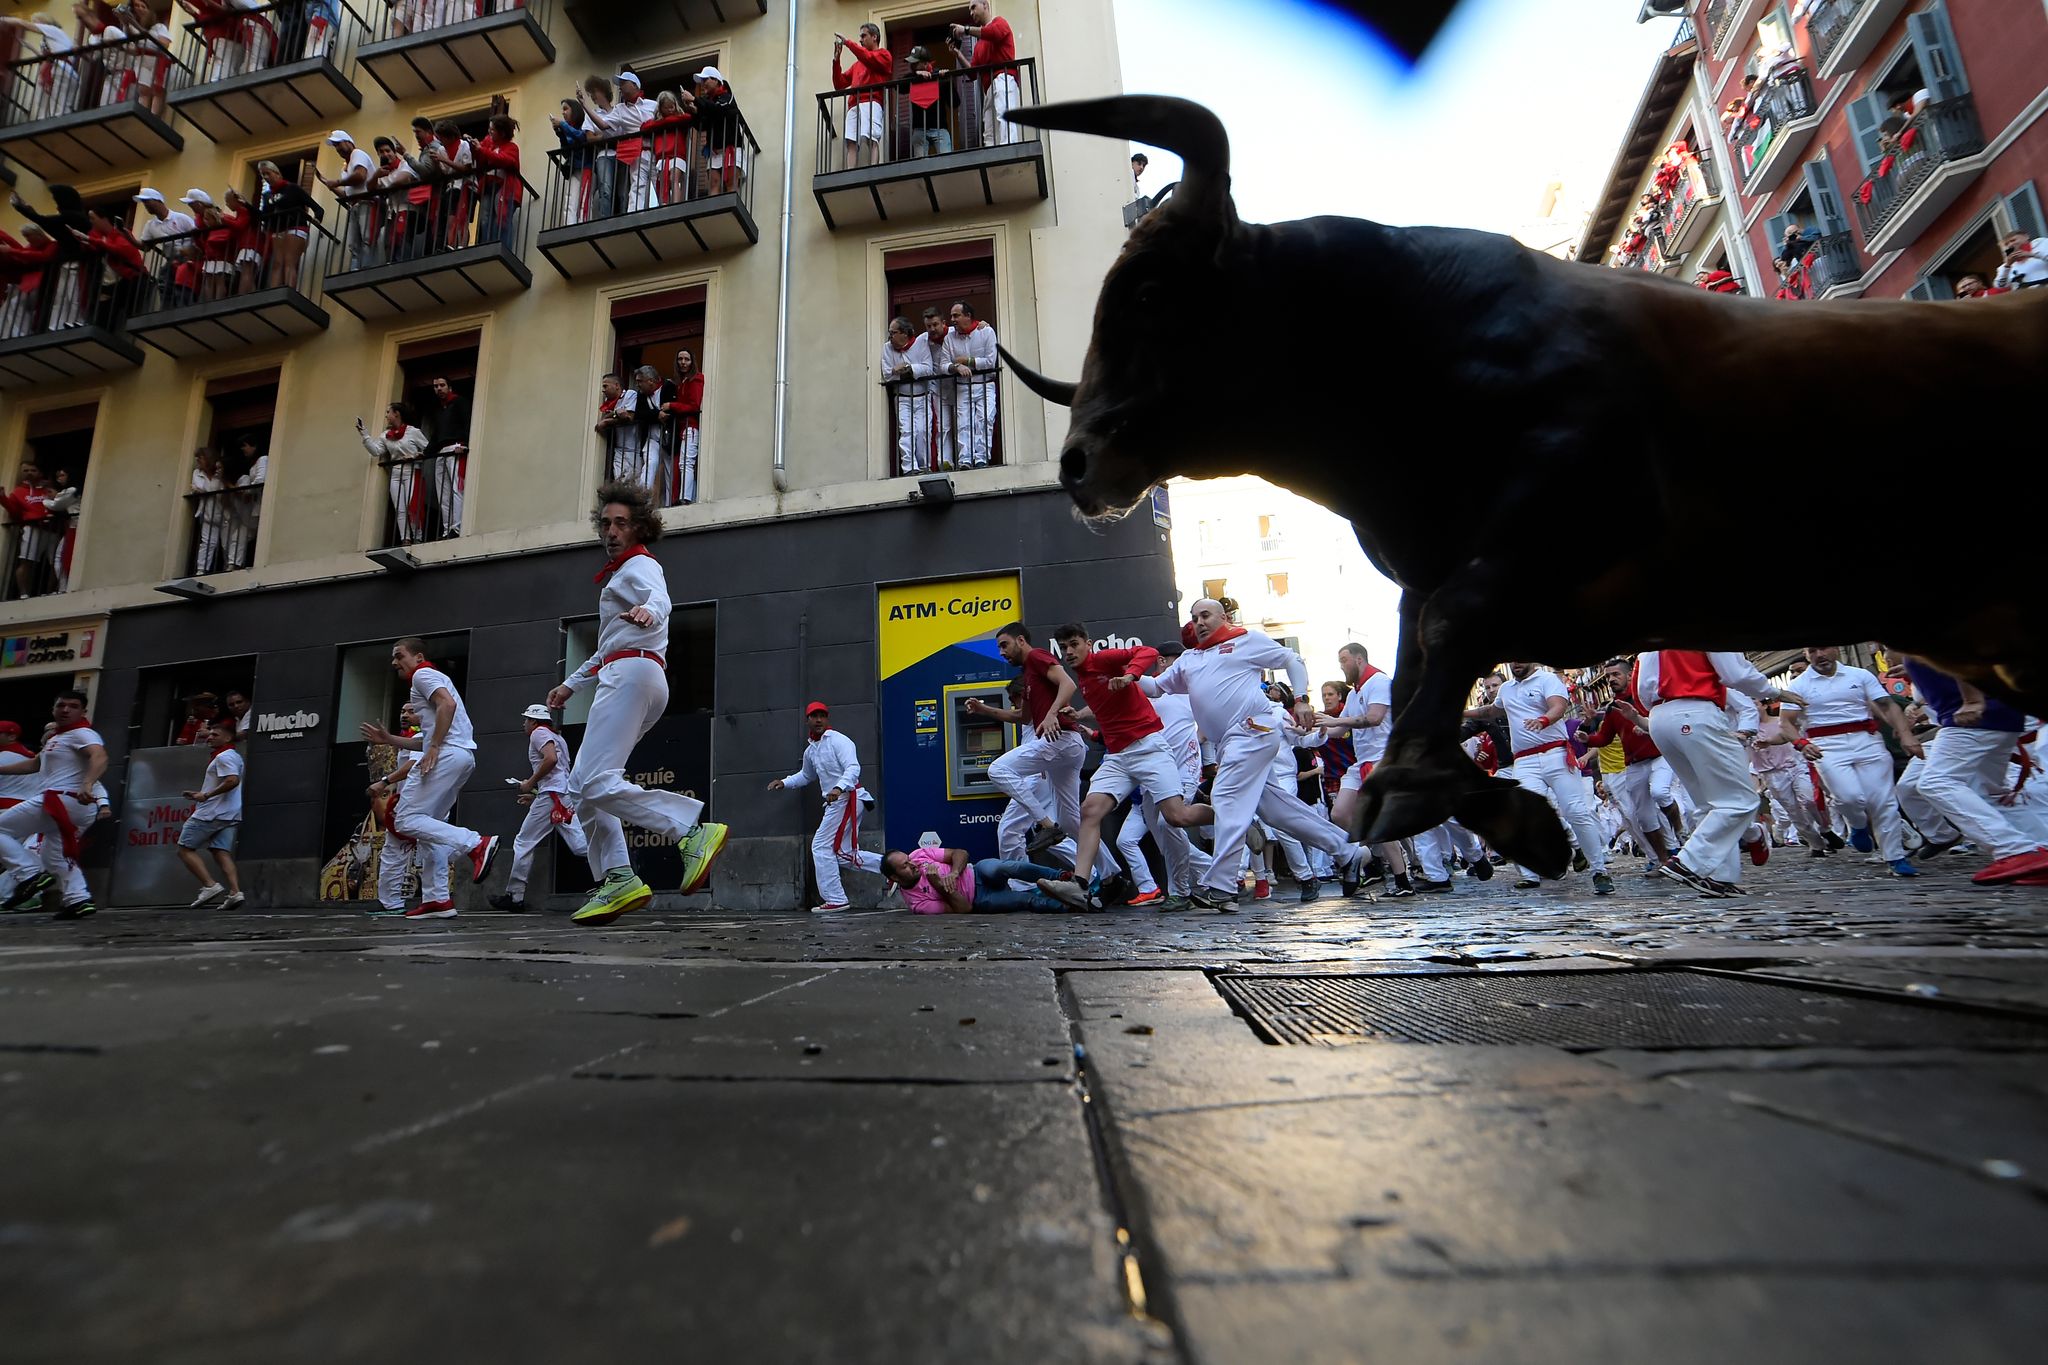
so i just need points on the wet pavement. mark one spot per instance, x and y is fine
(878, 1137)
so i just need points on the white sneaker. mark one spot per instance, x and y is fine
(232, 901)
(207, 896)
(829, 909)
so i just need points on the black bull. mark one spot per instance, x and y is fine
(1556, 461)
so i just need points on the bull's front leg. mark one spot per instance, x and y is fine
(1425, 777)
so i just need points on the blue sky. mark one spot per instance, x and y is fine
(1513, 94)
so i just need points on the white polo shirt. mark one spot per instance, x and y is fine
(1369, 742)
(1528, 699)
(1839, 700)
(426, 681)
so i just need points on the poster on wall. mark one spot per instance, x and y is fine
(938, 649)
(154, 809)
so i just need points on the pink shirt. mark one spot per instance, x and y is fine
(923, 898)
(1769, 757)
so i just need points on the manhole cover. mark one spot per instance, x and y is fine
(1656, 1009)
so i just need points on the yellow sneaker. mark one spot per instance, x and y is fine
(613, 898)
(700, 848)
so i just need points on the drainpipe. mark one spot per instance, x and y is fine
(781, 470)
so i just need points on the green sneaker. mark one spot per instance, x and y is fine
(76, 910)
(621, 891)
(381, 913)
(700, 848)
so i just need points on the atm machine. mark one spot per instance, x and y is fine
(974, 741)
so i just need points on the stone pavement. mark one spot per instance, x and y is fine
(875, 1137)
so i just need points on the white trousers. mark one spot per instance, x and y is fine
(421, 816)
(1699, 740)
(836, 844)
(207, 557)
(974, 418)
(448, 488)
(1246, 787)
(19, 824)
(631, 695)
(1550, 774)
(533, 832)
(1963, 767)
(397, 855)
(1058, 761)
(1791, 793)
(682, 483)
(1003, 95)
(913, 434)
(1130, 842)
(1433, 854)
(403, 477)
(1858, 771)
(1913, 804)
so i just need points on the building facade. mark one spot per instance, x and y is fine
(290, 565)
(1874, 148)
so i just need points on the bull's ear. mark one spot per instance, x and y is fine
(1180, 126)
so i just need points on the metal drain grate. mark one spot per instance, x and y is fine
(1585, 1010)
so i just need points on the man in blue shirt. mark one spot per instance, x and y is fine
(1967, 759)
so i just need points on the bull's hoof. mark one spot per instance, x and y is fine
(1521, 824)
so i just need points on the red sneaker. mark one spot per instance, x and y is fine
(1760, 852)
(481, 857)
(1262, 890)
(2036, 879)
(2020, 867)
(1147, 897)
(432, 910)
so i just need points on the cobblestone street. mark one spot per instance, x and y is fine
(1810, 1121)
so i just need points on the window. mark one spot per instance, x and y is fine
(172, 700)
(659, 447)
(1213, 588)
(426, 489)
(43, 510)
(955, 421)
(368, 689)
(1976, 254)
(1270, 537)
(224, 488)
(1276, 585)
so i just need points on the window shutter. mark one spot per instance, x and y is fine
(2023, 207)
(1865, 114)
(1827, 197)
(1934, 43)
(1774, 233)
(1923, 290)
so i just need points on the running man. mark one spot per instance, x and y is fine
(630, 671)
(71, 763)
(831, 763)
(545, 794)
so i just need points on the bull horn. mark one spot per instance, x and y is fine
(1180, 126)
(1051, 390)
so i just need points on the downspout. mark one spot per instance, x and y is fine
(781, 469)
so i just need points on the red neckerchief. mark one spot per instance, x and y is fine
(1226, 633)
(612, 565)
(82, 723)
(395, 433)
(1367, 672)
(820, 735)
(423, 663)
(970, 328)
(450, 398)
(220, 749)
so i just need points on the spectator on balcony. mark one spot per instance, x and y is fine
(573, 131)
(53, 81)
(209, 512)
(23, 265)
(397, 206)
(684, 408)
(2025, 264)
(502, 188)
(450, 424)
(398, 447)
(929, 135)
(601, 126)
(1973, 287)
(633, 112)
(610, 393)
(32, 507)
(245, 504)
(122, 280)
(216, 246)
(235, 712)
(905, 377)
(971, 356)
(718, 122)
(636, 431)
(252, 243)
(161, 223)
(993, 46)
(1716, 281)
(871, 71)
(66, 303)
(930, 349)
(352, 189)
(202, 709)
(668, 136)
(287, 213)
(220, 32)
(452, 157)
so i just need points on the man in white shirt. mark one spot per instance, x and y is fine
(971, 358)
(630, 671)
(906, 368)
(357, 169)
(1534, 702)
(831, 764)
(636, 166)
(215, 819)
(71, 763)
(1838, 728)
(48, 89)
(447, 749)
(1368, 715)
(635, 430)
(1185, 862)
(550, 807)
(2025, 263)
(161, 222)
(1222, 674)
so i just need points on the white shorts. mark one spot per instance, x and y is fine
(1145, 765)
(220, 267)
(864, 120)
(248, 256)
(1355, 775)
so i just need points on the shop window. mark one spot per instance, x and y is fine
(664, 331)
(172, 700)
(426, 491)
(43, 508)
(369, 689)
(224, 487)
(962, 427)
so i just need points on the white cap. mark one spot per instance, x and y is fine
(709, 73)
(197, 197)
(537, 712)
(337, 137)
(628, 76)
(149, 197)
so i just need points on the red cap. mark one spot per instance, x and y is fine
(816, 708)
(8, 727)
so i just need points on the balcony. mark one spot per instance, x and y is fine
(686, 191)
(426, 498)
(67, 323)
(423, 47)
(1691, 206)
(274, 68)
(38, 560)
(661, 456)
(79, 114)
(1939, 155)
(1788, 116)
(224, 522)
(947, 155)
(608, 27)
(944, 422)
(444, 243)
(1834, 271)
(1843, 32)
(184, 310)
(1728, 21)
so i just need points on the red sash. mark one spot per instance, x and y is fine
(59, 811)
(561, 815)
(848, 832)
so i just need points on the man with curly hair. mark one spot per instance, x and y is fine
(630, 670)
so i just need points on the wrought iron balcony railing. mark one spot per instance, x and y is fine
(1938, 134)
(944, 421)
(1827, 23)
(661, 455)
(224, 523)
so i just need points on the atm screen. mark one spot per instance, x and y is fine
(989, 740)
